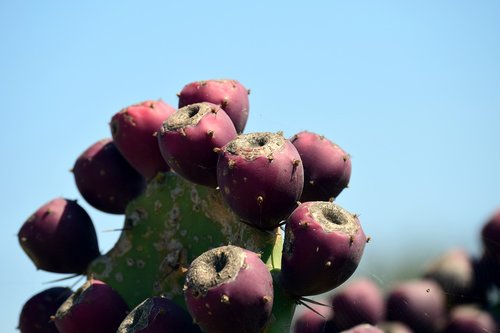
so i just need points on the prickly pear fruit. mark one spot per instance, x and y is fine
(457, 274)
(359, 302)
(187, 140)
(231, 95)
(469, 319)
(261, 177)
(60, 237)
(418, 303)
(490, 234)
(394, 327)
(327, 167)
(313, 321)
(229, 289)
(133, 130)
(363, 328)
(158, 315)
(93, 308)
(36, 313)
(322, 248)
(105, 179)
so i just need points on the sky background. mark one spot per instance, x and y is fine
(409, 88)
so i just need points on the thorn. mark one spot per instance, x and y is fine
(328, 263)
(368, 239)
(260, 200)
(248, 91)
(270, 158)
(181, 130)
(266, 299)
(224, 299)
(217, 150)
(224, 103)
(210, 133)
(296, 163)
(231, 164)
(351, 240)
(178, 95)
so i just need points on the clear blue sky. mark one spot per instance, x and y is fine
(409, 89)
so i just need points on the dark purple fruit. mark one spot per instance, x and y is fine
(469, 319)
(260, 176)
(359, 302)
(327, 167)
(60, 237)
(322, 248)
(231, 95)
(309, 321)
(229, 289)
(187, 140)
(36, 314)
(133, 130)
(456, 272)
(158, 315)
(105, 179)
(420, 304)
(94, 308)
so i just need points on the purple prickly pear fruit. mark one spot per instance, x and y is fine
(36, 314)
(363, 328)
(419, 303)
(158, 315)
(231, 95)
(229, 289)
(94, 308)
(469, 319)
(359, 302)
(261, 177)
(327, 168)
(133, 130)
(187, 140)
(490, 234)
(60, 237)
(322, 248)
(456, 272)
(308, 321)
(394, 327)
(105, 179)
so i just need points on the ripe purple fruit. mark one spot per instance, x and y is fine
(491, 236)
(133, 130)
(187, 140)
(158, 315)
(363, 328)
(327, 167)
(308, 321)
(322, 248)
(94, 308)
(231, 95)
(420, 304)
(229, 289)
(60, 237)
(105, 179)
(36, 313)
(359, 302)
(469, 319)
(261, 177)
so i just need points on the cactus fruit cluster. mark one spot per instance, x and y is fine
(454, 293)
(224, 231)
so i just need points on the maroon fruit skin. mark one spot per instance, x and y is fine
(105, 179)
(315, 259)
(261, 187)
(457, 274)
(158, 315)
(308, 321)
(231, 95)
(60, 237)
(133, 130)
(363, 328)
(327, 167)
(418, 303)
(93, 308)
(36, 313)
(359, 302)
(243, 303)
(468, 319)
(187, 145)
(490, 235)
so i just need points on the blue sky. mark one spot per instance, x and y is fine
(409, 89)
